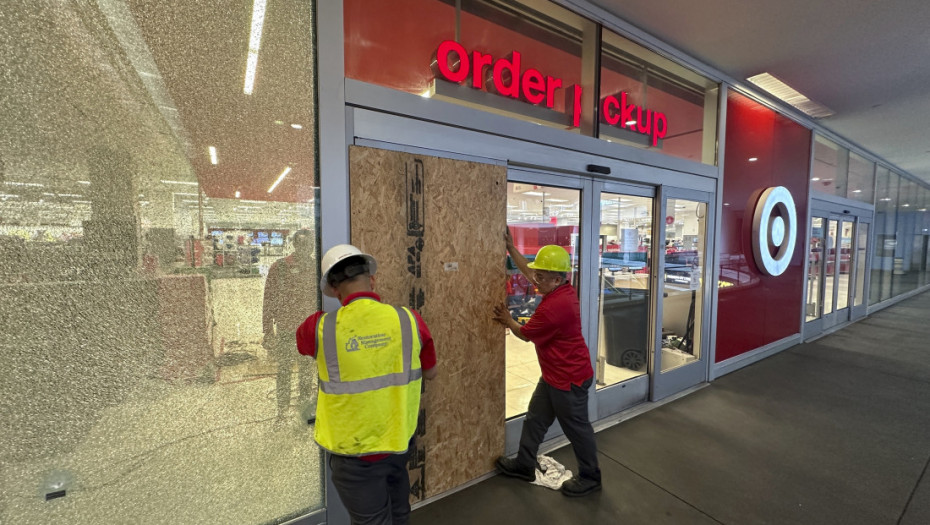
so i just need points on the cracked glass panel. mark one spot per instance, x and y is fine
(158, 248)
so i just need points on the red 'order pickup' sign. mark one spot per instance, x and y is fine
(505, 77)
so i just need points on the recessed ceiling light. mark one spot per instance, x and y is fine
(788, 94)
(255, 43)
(280, 178)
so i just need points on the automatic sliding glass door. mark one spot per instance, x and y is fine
(680, 360)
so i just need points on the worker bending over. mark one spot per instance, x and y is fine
(562, 391)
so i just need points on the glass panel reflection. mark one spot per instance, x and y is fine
(815, 264)
(862, 245)
(843, 264)
(625, 236)
(537, 216)
(151, 178)
(829, 266)
(682, 306)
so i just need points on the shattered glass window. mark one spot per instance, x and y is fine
(158, 248)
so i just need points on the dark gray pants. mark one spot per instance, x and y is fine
(571, 409)
(375, 493)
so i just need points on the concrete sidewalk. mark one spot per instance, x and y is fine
(836, 431)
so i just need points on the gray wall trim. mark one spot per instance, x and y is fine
(717, 204)
(332, 150)
(371, 96)
(897, 299)
(840, 205)
(735, 363)
(334, 181)
(403, 131)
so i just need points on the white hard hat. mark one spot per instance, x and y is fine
(336, 254)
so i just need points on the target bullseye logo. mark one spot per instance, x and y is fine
(774, 230)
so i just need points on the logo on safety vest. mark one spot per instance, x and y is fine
(367, 342)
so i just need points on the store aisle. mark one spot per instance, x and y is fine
(829, 432)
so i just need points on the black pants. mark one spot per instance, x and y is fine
(571, 409)
(374, 493)
(286, 355)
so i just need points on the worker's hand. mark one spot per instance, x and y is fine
(508, 238)
(502, 315)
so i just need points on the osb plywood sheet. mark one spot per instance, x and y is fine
(436, 227)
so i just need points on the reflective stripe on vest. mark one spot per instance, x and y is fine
(336, 386)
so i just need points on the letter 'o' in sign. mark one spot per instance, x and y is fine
(774, 230)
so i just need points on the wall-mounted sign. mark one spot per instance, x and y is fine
(774, 230)
(505, 77)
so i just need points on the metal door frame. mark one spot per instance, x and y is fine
(616, 397)
(664, 384)
(839, 209)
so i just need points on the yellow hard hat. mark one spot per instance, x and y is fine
(552, 258)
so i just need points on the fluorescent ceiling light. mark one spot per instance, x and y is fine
(788, 94)
(534, 193)
(255, 42)
(630, 122)
(815, 179)
(238, 194)
(753, 159)
(83, 182)
(179, 182)
(557, 200)
(212, 155)
(857, 191)
(297, 126)
(33, 184)
(280, 178)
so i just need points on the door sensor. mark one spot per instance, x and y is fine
(594, 168)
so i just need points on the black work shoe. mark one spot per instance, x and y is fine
(511, 467)
(580, 487)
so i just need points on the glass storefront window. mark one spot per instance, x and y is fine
(158, 163)
(626, 231)
(537, 216)
(829, 172)
(904, 275)
(648, 101)
(862, 246)
(861, 186)
(518, 59)
(883, 249)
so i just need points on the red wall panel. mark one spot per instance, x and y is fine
(759, 309)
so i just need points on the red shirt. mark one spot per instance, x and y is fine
(306, 344)
(555, 329)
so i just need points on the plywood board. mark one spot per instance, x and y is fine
(436, 227)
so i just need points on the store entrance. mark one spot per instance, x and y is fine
(837, 276)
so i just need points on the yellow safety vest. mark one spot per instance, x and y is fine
(368, 356)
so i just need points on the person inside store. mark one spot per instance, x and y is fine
(290, 296)
(562, 391)
(371, 358)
